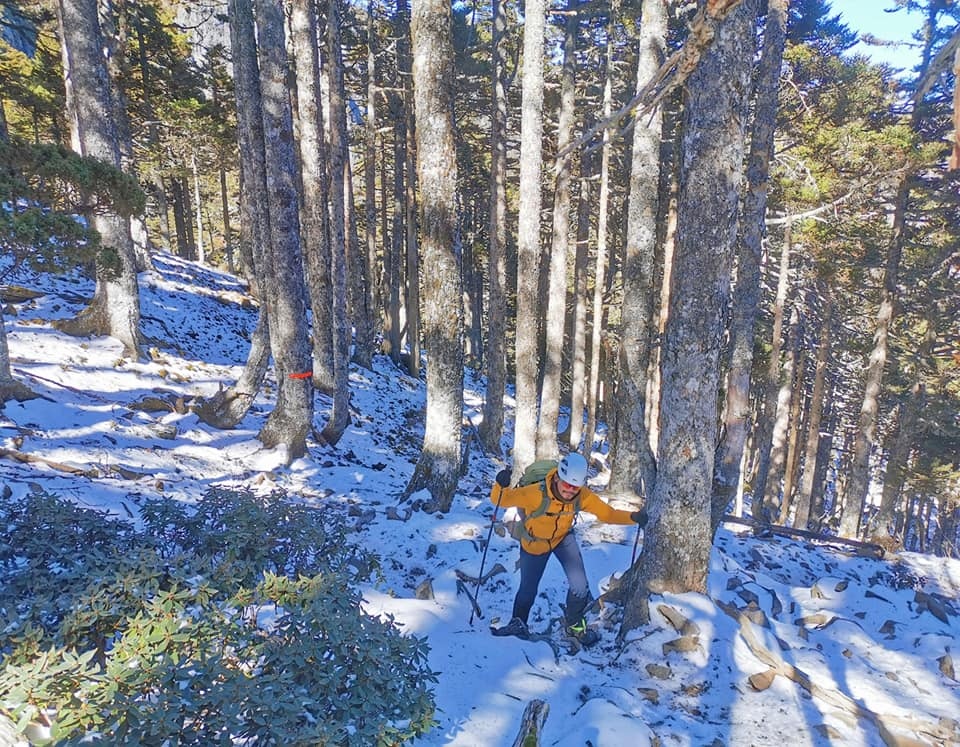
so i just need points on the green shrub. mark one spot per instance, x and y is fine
(236, 619)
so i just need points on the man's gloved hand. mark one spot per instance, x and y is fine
(640, 517)
(503, 478)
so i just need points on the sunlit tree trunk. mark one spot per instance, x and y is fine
(115, 308)
(339, 155)
(599, 282)
(677, 541)
(556, 301)
(370, 173)
(229, 406)
(633, 464)
(746, 297)
(438, 468)
(771, 383)
(771, 496)
(314, 181)
(804, 494)
(285, 292)
(578, 337)
(495, 359)
(528, 237)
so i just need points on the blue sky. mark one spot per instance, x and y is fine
(870, 17)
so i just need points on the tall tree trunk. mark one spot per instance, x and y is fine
(771, 496)
(556, 311)
(339, 157)
(883, 524)
(634, 466)
(412, 301)
(528, 238)
(746, 298)
(228, 407)
(395, 269)
(313, 182)
(676, 548)
(491, 428)
(578, 347)
(802, 515)
(358, 279)
(599, 282)
(290, 421)
(370, 174)
(859, 483)
(796, 423)
(771, 383)
(438, 468)
(115, 308)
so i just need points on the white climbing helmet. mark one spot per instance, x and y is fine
(573, 469)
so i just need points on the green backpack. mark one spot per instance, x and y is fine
(537, 472)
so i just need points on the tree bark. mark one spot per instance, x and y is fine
(339, 157)
(291, 419)
(314, 181)
(438, 468)
(746, 298)
(599, 282)
(556, 310)
(802, 514)
(491, 429)
(634, 465)
(370, 173)
(528, 238)
(115, 308)
(771, 382)
(676, 548)
(771, 497)
(578, 347)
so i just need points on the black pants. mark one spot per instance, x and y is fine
(531, 571)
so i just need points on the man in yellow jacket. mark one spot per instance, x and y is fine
(550, 507)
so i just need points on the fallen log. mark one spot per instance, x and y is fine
(867, 548)
(531, 724)
(24, 458)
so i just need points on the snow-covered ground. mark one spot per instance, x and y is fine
(862, 649)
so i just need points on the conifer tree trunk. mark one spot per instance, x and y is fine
(771, 383)
(370, 173)
(285, 292)
(395, 267)
(746, 298)
(677, 541)
(578, 384)
(358, 275)
(859, 481)
(599, 276)
(803, 505)
(771, 496)
(228, 407)
(796, 423)
(438, 468)
(528, 238)
(412, 301)
(492, 426)
(556, 301)
(339, 157)
(633, 468)
(115, 308)
(313, 183)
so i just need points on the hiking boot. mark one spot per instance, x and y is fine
(516, 627)
(586, 636)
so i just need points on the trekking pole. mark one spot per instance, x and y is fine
(483, 560)
(636, 542)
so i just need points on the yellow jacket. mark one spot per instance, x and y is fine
(544, 532)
